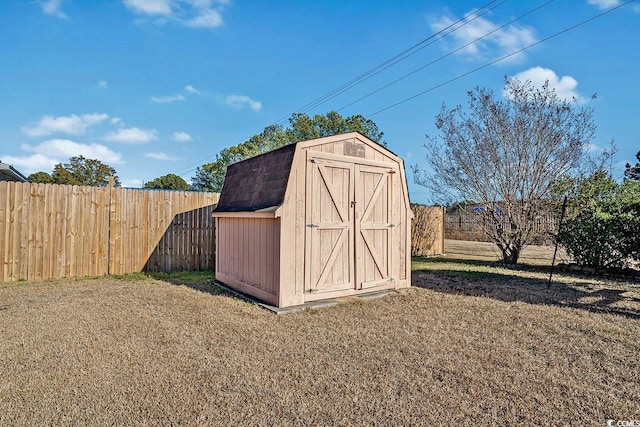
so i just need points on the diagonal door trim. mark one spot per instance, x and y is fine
(374, 197)
(331, 190)
(332, 258)
(374, 254)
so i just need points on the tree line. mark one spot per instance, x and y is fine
(516, 155)
(92, 172)
(210, 176)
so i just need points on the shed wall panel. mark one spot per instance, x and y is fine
(251, 248)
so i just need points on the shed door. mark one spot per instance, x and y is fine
(373, 226)
(349, 230)
(330, 241)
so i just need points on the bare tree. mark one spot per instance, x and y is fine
(505, 153)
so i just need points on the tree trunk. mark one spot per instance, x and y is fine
(510, 253)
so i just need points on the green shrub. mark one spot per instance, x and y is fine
(604, 229)
(595, 240)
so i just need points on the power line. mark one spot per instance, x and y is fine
(465, 20)
(500, 59)
(190, 169)
(447, 55)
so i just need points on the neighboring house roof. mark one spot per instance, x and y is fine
(9, 173)
(257, 183)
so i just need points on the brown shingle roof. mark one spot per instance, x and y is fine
(257, 183)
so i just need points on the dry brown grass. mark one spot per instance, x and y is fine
(485, 251)
(144, 351)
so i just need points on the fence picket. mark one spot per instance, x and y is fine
(50, 231)
(4, 231)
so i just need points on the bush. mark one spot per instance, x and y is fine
(594, 240)
(604, 231)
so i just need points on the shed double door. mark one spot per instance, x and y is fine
(349, 228)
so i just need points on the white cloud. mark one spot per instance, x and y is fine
(132, 135)
(593, 148)
(564, 86)
(500, 42)
(191, 13)
(32, 163)
(604, 4)
(72, 125)
(49, 153)
(159, 156)
(53, 8)
(210, 18)
(149, 7)
(64, 148)
(102, 84)
(182, 137)
(115, 120)
(240, 101)
(167, 99)
(608, 4)
(132, 183)
(192, 89)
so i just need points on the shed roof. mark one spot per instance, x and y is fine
(257, 183)
(9, 173)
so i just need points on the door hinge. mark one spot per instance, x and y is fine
(313, 225)
(391, 225)
(312, 291)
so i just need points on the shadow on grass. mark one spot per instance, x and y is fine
(199, 280)
(522, 265)
(486, 279)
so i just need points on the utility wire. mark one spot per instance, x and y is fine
(500, 59)
(465, 20)
(461, 75)
(445, 56)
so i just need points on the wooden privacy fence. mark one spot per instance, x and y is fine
(51, 231)
(427, 230)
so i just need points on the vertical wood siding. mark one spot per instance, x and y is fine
(251, 248)
(49, 231)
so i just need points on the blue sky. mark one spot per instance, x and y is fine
(152, 87)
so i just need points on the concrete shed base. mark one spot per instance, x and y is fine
(306, 306)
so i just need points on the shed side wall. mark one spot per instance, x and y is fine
(248, 252)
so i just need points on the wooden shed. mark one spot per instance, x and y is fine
(313, 220)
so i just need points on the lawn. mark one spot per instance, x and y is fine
(471, 343)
